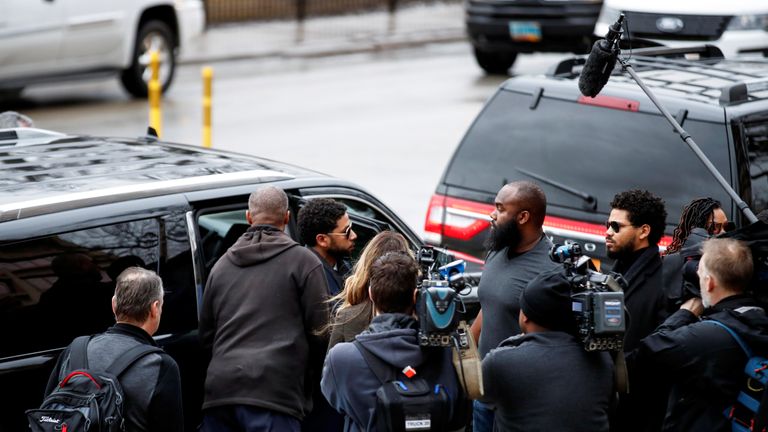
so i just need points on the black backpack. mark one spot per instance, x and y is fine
(87, 400)
(404, 404)
(750, 411)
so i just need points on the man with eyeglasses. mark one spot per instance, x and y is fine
(632, 233)
(325, 228)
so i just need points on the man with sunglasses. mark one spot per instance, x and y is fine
(632, 233)
(325, 228)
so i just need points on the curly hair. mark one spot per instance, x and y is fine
(319, 216)
(697, 214)
(644, 208)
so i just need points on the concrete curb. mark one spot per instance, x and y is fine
(328, 36)
(328, 50)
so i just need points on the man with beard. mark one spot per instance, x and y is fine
(518, 251)
(633, 230)
(325, 228)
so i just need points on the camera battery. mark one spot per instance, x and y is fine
(609, 313)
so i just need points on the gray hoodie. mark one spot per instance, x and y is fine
(263, 302)
(349, 384)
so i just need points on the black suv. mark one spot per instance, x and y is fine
(75, 211)
(499, 29)
(582, 150)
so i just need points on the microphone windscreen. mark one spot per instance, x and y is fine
(597, 69)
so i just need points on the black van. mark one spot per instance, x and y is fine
(582, 150)
(74, 210)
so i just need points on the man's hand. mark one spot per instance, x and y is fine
(694, 305)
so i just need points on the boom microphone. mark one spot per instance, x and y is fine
(599, 65)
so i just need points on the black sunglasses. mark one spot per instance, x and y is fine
(615, 226)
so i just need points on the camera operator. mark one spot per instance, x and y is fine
(544, 380)
(350, 383)
(518, 252)
(633, 230)
(700, 219)
(702, 360)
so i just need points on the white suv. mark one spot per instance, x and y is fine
(55, 40)
(736, 27)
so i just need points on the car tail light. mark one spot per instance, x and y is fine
(564, 228)
(455, 218)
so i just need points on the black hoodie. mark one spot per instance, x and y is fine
(263, 302)
(702, 361)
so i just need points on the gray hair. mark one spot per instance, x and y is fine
(136, 290)
(729, 261)
(268, 205)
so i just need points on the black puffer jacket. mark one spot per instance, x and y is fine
(702, 361)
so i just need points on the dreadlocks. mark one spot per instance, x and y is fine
(697, 214)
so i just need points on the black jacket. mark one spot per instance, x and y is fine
(703, 362)
(263, 304)
(152, 386)
(644, 296)
(643, 408)
(547, 382)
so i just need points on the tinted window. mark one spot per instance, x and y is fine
(595, 150)
(55, 288)
(180, 302)
(756, 134)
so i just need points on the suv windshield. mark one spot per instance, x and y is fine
(642, 148)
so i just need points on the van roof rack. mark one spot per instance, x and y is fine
(700, 72)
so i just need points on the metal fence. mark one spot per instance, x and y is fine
(224, 11)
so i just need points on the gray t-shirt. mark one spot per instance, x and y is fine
(500, 287)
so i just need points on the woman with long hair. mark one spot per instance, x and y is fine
(356, 310)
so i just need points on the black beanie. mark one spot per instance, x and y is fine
(546, 300)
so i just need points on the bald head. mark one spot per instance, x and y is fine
(268, 206)
(530, 197)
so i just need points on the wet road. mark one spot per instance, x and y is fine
(388, 121)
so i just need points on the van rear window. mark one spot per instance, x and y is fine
(595, 150)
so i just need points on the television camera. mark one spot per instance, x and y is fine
(439, 304)
(597, 299)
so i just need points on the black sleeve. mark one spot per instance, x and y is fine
(165, 409)
(53, 379)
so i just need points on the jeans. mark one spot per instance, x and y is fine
(482, 417)
(244, 418)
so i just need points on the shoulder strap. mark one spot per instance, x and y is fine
(383, 371)
(740, 341)
(78, 353)
(130, 357)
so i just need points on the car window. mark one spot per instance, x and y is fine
(756, 134)
(594, 150)
(177, 273)
(55, 288)
(219, 229)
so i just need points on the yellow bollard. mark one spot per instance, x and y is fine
(154, 90)
(207, 90)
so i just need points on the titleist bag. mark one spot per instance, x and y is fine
(87, 400)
